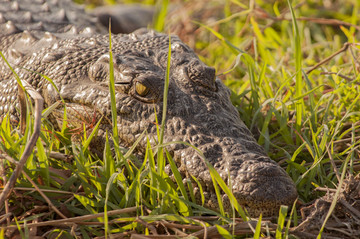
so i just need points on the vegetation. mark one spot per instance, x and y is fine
(293, 70)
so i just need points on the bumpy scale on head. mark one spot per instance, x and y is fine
(199, 109)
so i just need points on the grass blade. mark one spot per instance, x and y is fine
(112, 90)
(299, 105)
(281, 221)
(161, 160)
(160, 16)
(258, 228)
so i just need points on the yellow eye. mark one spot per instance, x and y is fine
(141, 89)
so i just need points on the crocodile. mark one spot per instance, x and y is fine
(62, 42)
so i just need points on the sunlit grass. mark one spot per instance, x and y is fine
(298, 117)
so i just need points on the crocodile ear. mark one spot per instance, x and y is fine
(99, 72)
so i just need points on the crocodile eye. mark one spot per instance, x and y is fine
(141, 89)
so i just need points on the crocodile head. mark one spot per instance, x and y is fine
(199, 112)
(199, 109)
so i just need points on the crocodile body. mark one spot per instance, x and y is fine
(74, 54)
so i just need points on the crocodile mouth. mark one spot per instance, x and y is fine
(264, 199)
(267, 197)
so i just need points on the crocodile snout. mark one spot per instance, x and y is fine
(262, 187)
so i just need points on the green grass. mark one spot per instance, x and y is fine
(298, 117)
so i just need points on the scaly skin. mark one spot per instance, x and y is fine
(199, 109)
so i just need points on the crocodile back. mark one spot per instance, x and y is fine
(47, 16)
